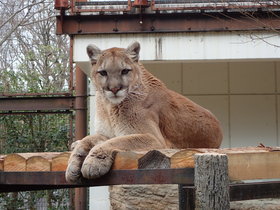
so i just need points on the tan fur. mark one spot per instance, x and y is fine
(134, 111)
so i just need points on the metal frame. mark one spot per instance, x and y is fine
(158, 23)
(237, 191)
(18, 181)
(184, 177)
(11, 104)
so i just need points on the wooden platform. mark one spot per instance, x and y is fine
(243, 163)
(198, 172)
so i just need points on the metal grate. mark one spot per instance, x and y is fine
(35, 133)
(100, 6)
(212, 4)
(115, 6)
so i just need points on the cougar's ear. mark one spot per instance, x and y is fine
(133, 51)
(93, 53)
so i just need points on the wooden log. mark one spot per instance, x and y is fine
(38, 163)
(260, 165)
(211, 181)
(14, 162)
(28, 161)
(154, 159)
(127, 160)
(2, 162)
(60, 162)
(184, 158)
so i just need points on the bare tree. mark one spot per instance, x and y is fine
(16, 14)
(32, 57)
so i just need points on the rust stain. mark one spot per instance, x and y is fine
(158, 48)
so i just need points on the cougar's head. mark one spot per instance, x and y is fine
(115, 71)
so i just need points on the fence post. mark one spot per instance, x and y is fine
(211, 182)
(81, 194)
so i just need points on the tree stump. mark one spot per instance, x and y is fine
(211, 181)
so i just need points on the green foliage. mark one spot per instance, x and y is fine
(45, 199)
(34, 133)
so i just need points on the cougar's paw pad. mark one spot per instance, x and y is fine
(96, 165)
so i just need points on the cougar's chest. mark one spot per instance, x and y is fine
(120, 121)
(115, 122)
(103, 126)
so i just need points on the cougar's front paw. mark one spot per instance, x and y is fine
(73, 172)
(74, 144)
(97, 163)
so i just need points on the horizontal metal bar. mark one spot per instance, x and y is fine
(156, 23)
(37, 103)
(98, 2)
(35, 94)
(18, 181)
(254, 191)
(241, 191)
(35, 112)
(205, 1)
(18, 188)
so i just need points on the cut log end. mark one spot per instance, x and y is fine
(154, 159)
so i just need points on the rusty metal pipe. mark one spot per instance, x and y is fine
(81, 128)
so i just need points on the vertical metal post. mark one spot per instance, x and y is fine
(81, 128)
(186, 197)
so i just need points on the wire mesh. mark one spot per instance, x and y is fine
(39, 200)
(36, 133)
(101, 6)
(211, 4)
(124, 6)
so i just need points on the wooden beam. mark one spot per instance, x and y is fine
(262, 165)
(42, 161)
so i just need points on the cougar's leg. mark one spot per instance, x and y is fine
(100, 158)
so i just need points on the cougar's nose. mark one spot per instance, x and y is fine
(115, 89)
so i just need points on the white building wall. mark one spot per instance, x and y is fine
(187, 46)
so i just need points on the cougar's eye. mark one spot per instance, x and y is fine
(125, 71)
(102, 73)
